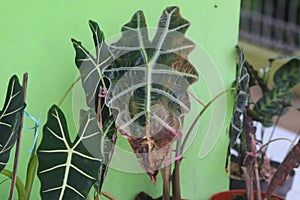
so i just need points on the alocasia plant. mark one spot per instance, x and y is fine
(149, 81)
(136, 85)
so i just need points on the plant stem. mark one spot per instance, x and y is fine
(180, 147)
(109, 196)
(175, 175)
(31, 169)
(249, 183)
(296, 138)
(18, 144)
(19, 184)
(274, 140)
(200, 114)
(198, 100)
(61, 100)
(166, 173)
(255, 167)
(275, 125)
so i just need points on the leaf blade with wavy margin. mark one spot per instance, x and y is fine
(149, 81)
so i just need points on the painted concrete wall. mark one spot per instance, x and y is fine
(35, 38)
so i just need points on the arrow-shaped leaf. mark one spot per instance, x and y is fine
(91, 66)
(10, 119)
(149, 81)
(67, 170)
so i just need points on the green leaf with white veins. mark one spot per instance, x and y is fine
(10, 119)
(91, 66)
(67, 170)
(149, 81)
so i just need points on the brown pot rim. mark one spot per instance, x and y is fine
(213, 197)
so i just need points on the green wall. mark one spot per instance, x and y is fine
(35, 38)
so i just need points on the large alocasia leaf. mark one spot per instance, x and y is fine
(90, 68)
(288, 73)
(149, 81)
(67, 170)
(10, 119)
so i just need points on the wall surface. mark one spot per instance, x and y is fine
(35, 38)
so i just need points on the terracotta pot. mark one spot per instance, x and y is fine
(226, 195)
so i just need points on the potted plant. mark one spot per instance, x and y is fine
(136, 86)
(252, 161)
(291, 161)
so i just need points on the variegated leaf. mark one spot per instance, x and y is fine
(288, 73)
(67, 170)
(10, 119)
(149, 81)
(272, 103)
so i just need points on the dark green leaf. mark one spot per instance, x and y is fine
(67, 170)
(242, 85)
(288, 73)
(149, 81)
(91, 66)
(92, 78)
(273, 102)
(10, 119)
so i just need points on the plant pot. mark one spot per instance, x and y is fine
(145, 196)
(227, 195)
(280, 190)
